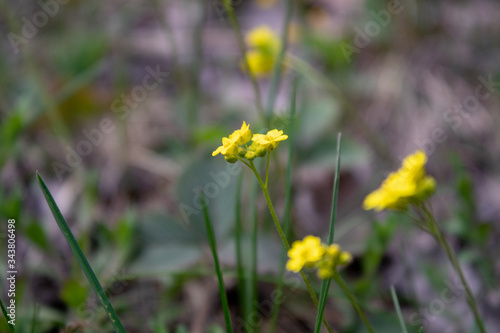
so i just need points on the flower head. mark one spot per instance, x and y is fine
(264, 46)
(407, 185)
(311, 253)
(306, 253)
(230, 146)
(236, 146)
(333, 258)
(270, 140)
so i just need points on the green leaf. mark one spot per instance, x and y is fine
(36, 234)
(80, 257)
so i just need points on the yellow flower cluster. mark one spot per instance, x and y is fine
(264, 46)
(409, 184)
(236, 145)
(311, 253)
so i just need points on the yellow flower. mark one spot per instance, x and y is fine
(230, 145)
(333, 258)
(305, 253)
(229, 148)
(263, 39)
(259, 64)
(270, 140)
(264, 46)
(407, 185)
(311, 253)
(243, 135)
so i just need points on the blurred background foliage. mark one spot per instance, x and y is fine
(408, 86)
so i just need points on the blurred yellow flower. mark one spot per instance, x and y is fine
(407, 185)
(265, 4)
(264, 46)
(270, 140)
(311, 253)
(259, 63)
(333, 258)
(304, 253)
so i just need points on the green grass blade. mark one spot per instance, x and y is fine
(253, 285)
(325, 285)
(398, 310)
(243, 279)
(213, 247)
(80, 257)
(288, 204)
(34, 319)
(4, 311)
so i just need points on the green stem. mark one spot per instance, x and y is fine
(284, 239)
(341, 283)
(398, 309)
(471, 300)
(240, 272)
(288, 203)
(267, 167)
(325, 285)
(213, 247)
(243, 50)
(278, 65)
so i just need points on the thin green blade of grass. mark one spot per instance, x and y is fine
(4, 311)
(213, 247)
(398, 310)
(325, 285)
(34, 319)
(80, 257)
(288, 203)
(243, 279)
(253, 285)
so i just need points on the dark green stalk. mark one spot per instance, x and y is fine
(471, 300)
(352, 299)
(80, 257)
(278, 65)
(213, 247)
(243, 50)
(288, 204)
(325, 285)
(239, 260)
(283, 237)
(398, 310)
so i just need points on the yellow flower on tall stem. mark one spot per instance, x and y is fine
(407, 185)
(410, 186)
